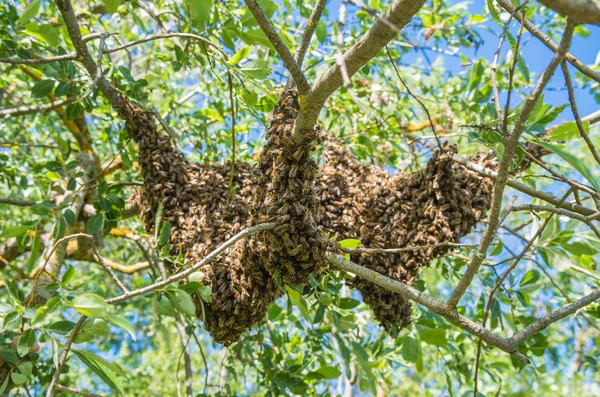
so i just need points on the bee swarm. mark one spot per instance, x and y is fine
(440, 203)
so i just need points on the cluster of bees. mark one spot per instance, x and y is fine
(313, 205)
(439, 203)
(285, 194)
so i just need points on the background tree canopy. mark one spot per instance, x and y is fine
(233, 197)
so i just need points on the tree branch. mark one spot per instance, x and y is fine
(586, 11)
(63, 356)
(582, 132)
(76, 391)
(404, 249)
(435, 305)
(311, 26)
(37, 61)
(553, 317)
(365, 49)
(510, 149)
(285, 54)
(29, 109)
(66, 10)
(176, 277)
(524, 188)
(547, 41)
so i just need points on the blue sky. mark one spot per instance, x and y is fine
(536, 55)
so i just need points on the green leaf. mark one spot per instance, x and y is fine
(26, 342)
(17, 378)
(239, 56)
(298, 300)
(435, 336)
(530, 277)
(74, 110)
(348, 303)
(90, 305)
(68, 276)
(258, 69)
(197, 277)
(60, 227)
(410, 349)
(329, 372)
(200, 11)
(61, 327)
(35, 251)
(90, 329)
(321, 32)
(205, 292)
(111, 5)
(99, 368)
(182, 301)
(567, 131)
(95, 223)
(350, 243)
(62, 89)
(12, 321)
(574, 162)
(121, 322)
(29, 12)
(14, 231)
(45, 33)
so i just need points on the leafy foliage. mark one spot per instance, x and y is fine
(320, 340)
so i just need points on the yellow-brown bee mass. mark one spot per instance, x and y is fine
(344, 199)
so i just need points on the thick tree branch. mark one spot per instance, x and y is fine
(553, 317)
(592, 118)
(510, 149)
(285, 54)
(435, 305)
(365, 49)
(586, 11)
(547, 41)
(311, 26)
(66, 10)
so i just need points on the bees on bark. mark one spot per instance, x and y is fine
(342, 198)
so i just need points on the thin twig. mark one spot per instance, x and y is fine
(404, 249)
(203, 360)
(431, 123)
(22, 203)
(76, 391)
(168, 36)
(511, 76)
(573, 103)
(186, 355)
(29, 109)
(38, 61)
(524, 188)
(63, 356)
